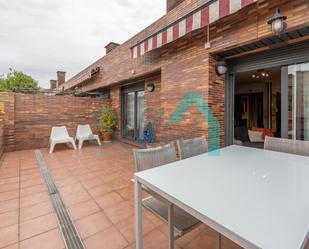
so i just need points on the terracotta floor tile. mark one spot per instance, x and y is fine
(37, 226)
(29, 165)
(119, 183)
(83, 176)
(70, 189)
(9, 174)
(83, 209)
(49, 240)
(154, 219)
(66, 182)
(109, 177)
(129, 247)
(33, 199)
(32, 190)
(127, 193)
(99, 190)
(9, 218)
(228, 244)
(29, 183)
(75, 198)
(204, 240)
(15, 246)
(9, 205)
(109, 200)
(92, 224)
(93, 182)
(33, 174)
(95, 185)
(127, 227)
(120, 211)
(34, 211)
(109, 238)
(156, 240)
(187, 238)
(13, 194)
(9, 180)
(8, 235)
(9, 187)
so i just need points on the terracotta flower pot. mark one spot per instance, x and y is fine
(107, 136)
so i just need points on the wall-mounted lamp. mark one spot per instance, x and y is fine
(150, 87)
(221, 67)
(277, 23)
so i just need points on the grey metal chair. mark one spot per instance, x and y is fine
(192, 147)
(296, 147)
(151, 158)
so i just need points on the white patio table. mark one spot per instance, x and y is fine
(256, 198)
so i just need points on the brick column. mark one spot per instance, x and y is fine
(115, 94)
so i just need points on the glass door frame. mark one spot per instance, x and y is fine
(278, 57)
(134, 87)
(285, 103)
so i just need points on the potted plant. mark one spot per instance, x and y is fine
(108, 121)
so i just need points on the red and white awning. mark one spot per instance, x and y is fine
(197, 19)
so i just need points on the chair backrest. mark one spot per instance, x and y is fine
(296, 147)
(154, 157)
(192, 147)
(83, 130)
(59, 132)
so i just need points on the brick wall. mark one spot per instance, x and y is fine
(117, 65)
(7, 100)
(115, 94)
(247, 25)
(171, 4)
(187, 67)
(1, 138)
(152, 104)
(184, 74)
(28, 118)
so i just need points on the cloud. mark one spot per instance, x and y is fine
(42, 37)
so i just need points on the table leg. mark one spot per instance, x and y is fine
(218, 241)
(138, 214)
(171, 225)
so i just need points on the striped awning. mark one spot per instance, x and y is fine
(199, 18)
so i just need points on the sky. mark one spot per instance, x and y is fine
(41, 37)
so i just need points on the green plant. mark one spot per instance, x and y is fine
(17, 80)
(108, 120)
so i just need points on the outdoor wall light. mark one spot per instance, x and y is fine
(150, 87)
(277, 23)
(221, 67)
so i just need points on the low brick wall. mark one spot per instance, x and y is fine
(28, 119)
(1, 138)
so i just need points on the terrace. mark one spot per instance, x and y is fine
(95, 185)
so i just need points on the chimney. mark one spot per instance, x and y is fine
(111, 46)
(53, 84)
(171, 4)
(60, 78)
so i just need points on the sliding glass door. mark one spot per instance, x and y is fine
(298, 101)
(133, 112)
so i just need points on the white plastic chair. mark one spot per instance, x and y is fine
(84, 133)
(59, 135)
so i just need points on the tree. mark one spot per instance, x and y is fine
(17, 80)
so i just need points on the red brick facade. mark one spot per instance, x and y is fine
(186, 66)
(1, 138)
(27, 119)
(153, 108)
(171, 4)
